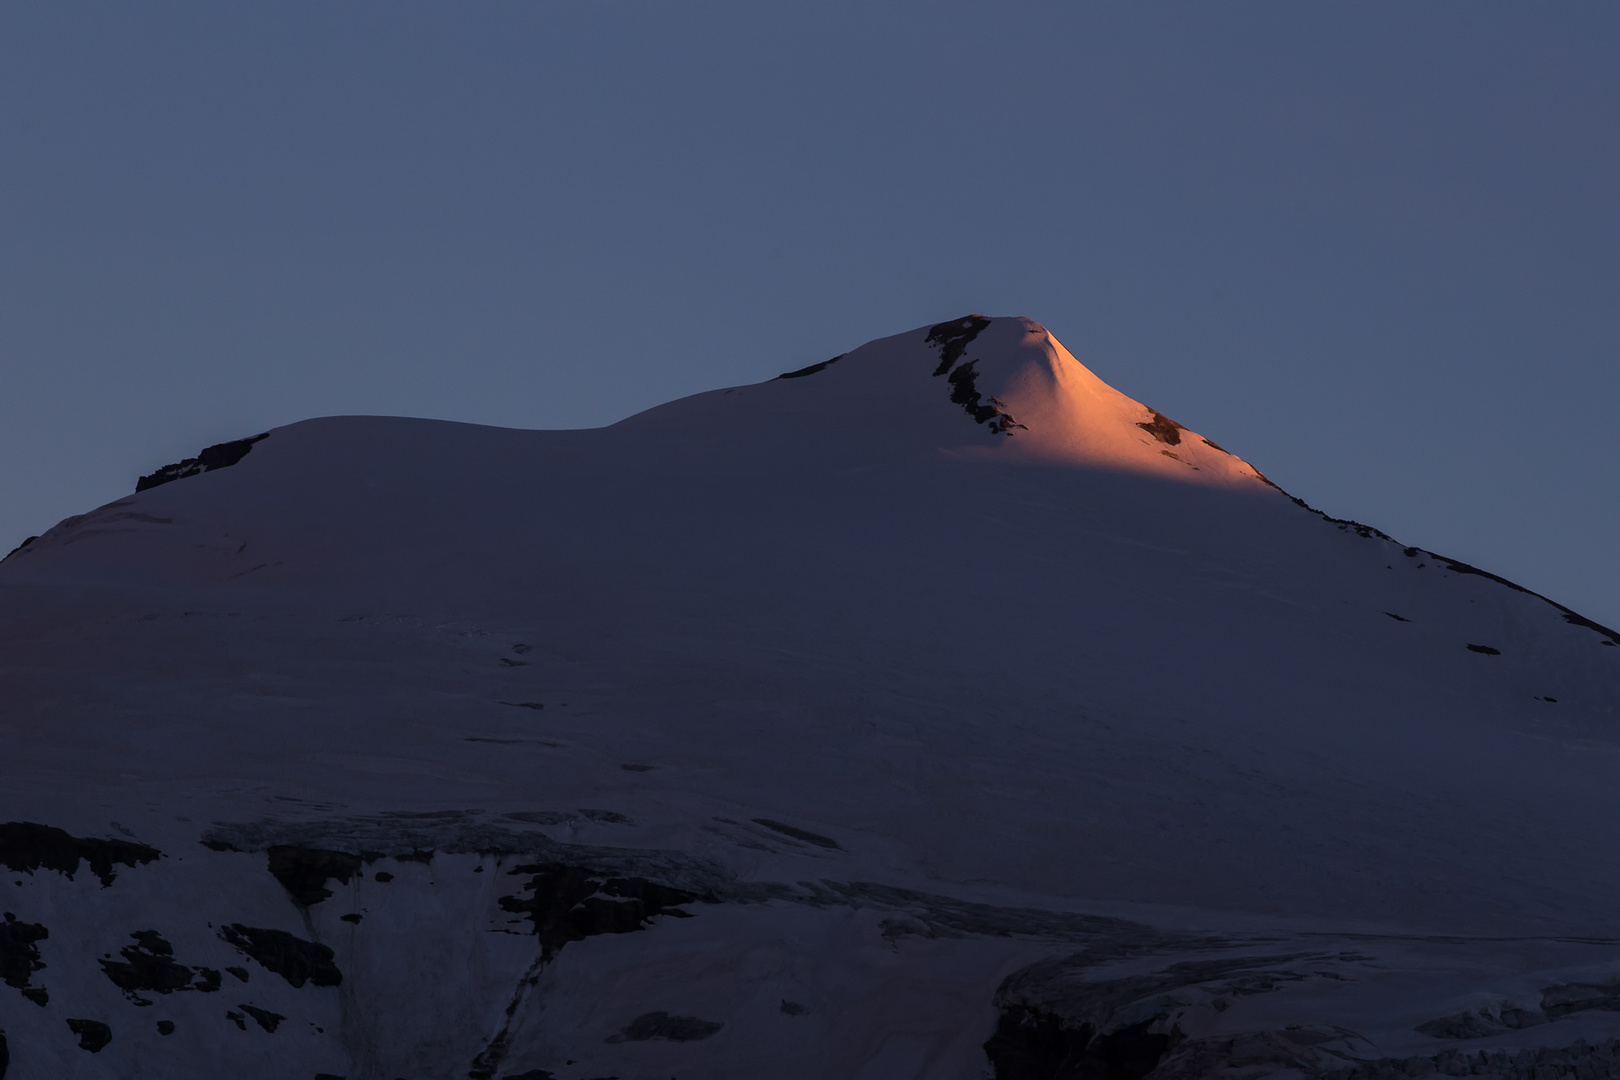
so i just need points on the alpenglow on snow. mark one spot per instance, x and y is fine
(932, 711)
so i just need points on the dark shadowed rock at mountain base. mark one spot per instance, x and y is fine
(304, 872)
(149, 966)
(294, 959)
(93, 1034)
(569, 903)
(936, 710)
(19, 952)
(1031, 1045)
(266, 1019)
(28, 846)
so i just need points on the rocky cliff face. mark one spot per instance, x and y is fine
(936, 710)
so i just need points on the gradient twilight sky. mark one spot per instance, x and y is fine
(1372, 247)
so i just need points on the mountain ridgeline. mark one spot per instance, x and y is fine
(936, 710)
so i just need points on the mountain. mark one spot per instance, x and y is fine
(933, 711)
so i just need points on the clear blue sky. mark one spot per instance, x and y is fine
(1374, 248)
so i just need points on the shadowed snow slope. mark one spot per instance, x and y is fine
(934, 711)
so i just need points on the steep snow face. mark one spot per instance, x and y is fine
(936, 712)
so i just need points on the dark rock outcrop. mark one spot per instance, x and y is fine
(304, 872)
(294, 959)
(219, 456)
(149, 966)
(19, 956)
(811, 370)
(26, 847)
(569, 903)
(93, 1034)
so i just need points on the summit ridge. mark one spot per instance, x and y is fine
(909, 392)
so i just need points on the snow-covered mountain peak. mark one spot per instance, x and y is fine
(934, 711)
(993, 389)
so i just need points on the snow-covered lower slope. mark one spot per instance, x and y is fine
(936, 711)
